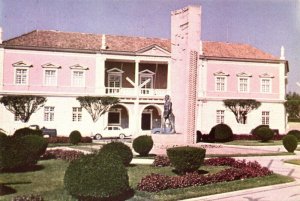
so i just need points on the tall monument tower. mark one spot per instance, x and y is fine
(185, 47)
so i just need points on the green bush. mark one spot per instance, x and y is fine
(221, 133)
(75, 137)
(142, 145)
(254, 131)
(290, 143)
(120, 149)
(20, 152)
(27, 131)
(186, 159)
(99, 176)
(264, 134)
(295, 133)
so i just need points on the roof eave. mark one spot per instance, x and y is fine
(242, 59)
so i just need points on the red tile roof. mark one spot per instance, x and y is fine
(84, 41)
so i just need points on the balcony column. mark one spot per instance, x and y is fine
(100, 74)
(169, 78)
(136, 116)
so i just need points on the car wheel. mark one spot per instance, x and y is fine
(156, 132)
(122, 136)
(98, 137)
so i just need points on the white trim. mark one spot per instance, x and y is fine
(216, 84)
(72, 78)
(146, 72)
(22, 64)
(78, 67)
(27, 76)
(270, 85)
(56, 77)
(247, 84)
(266, 75)
(114, 74)
(51, 66)
(115, 70)
(243, 74)
(220, 73)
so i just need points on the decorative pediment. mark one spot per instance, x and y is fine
(22, 64)
(50, 65)
(243, 74)
(220, 73)
(146, 72)
(153, 50)
(79, 67)
(115, 70)
(266, 75)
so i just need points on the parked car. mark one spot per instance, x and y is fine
(112, 132)
(46, 131)
(167, 130)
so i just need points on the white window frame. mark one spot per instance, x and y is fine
(247, 83)
(111, 75)
(220, 89)
(73, 84)
(262, 89)
(146, 76)
(49, 112)
(56, 76)
(220, 116)
(265, 117)
(27, 76)
(76, 114)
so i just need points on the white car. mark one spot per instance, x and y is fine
(112, 132)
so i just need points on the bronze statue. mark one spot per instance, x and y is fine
(168, 115)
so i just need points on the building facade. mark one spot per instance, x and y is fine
(140, 71)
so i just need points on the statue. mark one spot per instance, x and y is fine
(168, 115)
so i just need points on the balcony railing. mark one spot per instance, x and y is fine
(131, 91)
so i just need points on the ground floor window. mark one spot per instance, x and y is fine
(76, 114)
(220, 116)
(265, 117)
(114, 118)
(48, 113)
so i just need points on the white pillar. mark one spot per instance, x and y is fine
(137, 116)
(169, 84)
(100, 74)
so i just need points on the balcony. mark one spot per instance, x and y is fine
(131, 91)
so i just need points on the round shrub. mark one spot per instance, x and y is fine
(35, 146)
(264, 134)
(290, 143)
(254, 131)
(120, 149)
(295, 133)
(99, 176)
(75, 137)
(186, 159)
(221, 133)
(142, 145)
(27, 131)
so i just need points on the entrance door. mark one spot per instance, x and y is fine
(146, 121)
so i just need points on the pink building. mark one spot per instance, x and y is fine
(197, 74)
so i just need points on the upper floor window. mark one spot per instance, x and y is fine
(265, 118)
(76, 114)
(21, 76)
(266, 85)
(48, 113)
(220, 116)
(114, 80)
(50, 77)
(243, 84)
(220, 84)
(146, 80)
(78, 78)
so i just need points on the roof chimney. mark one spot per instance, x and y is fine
(1, 35)
(282, 57)
(103, 42)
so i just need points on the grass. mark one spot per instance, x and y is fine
(254, 143)
(48, 182)
(249, 155)
(70, 145)
(293, 161)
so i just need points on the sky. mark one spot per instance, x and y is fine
(265, 24)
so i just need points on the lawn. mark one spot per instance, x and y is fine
(293, 161)
(254, 143)
(48, 182)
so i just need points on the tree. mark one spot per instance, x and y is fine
(97, 105)
(292, 105)
(241, 108)
(23, 106)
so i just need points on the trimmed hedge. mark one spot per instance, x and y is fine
(27, 131)
(142, 145)
(120, 149)
(99, 176)
(254, 131)
(61, 139)
(67, 155)
(75, 137)
(186, 159)
(290, 143)
(295, 133)
(264, 134)
(221, 133)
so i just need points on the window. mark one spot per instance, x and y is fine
(265, 117)
(220, 83)
(48, 113)
(266, 85)
(243, 84)
(114, 80)
(50, 77)
(78, 78)
(114, 118)
(21, 77)
(220, 116)
(76, 114)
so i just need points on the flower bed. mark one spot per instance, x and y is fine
(67, 155)
(238, 170)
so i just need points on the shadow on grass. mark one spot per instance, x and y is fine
(5, 190)
(31, 168)
(198, 172)
(123, 196)
(148, 156)
(132, 165)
